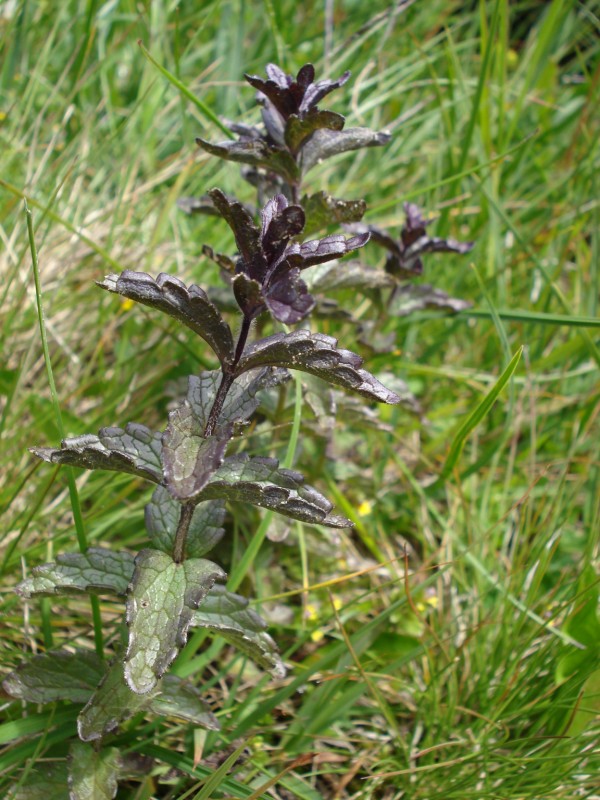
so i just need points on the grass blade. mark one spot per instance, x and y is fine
(478, 414)
(73, 493)
(202, 107)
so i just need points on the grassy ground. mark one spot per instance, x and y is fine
(454, 673)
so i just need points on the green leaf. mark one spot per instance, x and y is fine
(242, 399)
(112, 703)
(319, 355)
(299, 128)
(260, 481)
(417, 297)
(228, 615)
(56, 675)
(189, 458)
(93, 773)
(135, 450)
(98, 571)
(257, 152)
(347, 275)
(325, 144)
(162, 597)
(46, 781)
(188, 304)
(205, 531)
(323, 210)
(478, 414)
(180, 699)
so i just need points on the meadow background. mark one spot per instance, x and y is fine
(453, 672)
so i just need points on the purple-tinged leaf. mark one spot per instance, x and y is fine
(56, 675)
(246, 232)
(323, 210)
(190, 458)
(298, 129)
(188, 304)
(256, 152)
(112, 703)
(228, 614)
(93, 773)
(162, 597)
(404, 254)
(242, 399)
(319, 89)
(223, 261)
(324, 144)
(411, 258)
(248, 295)
(280, 223)
(419, 297)
(261, 482)
(98, 571)
(291, 96)
(135, 450)
(317, 354)
(162, 518)
(181, 699)
(317, 251)
(288, 298)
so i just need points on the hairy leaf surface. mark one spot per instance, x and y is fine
(190, 458)
(323, 210)
(112, 703)
(347, 275)
(325, 144)
(188, 304)
(298, 129)
(318, 354)
(180, 699)
(135, 450)
(160, 603)
(205, 531)
(56, 675)
(46, 781)
(242, 399)
(257, 152)
(261, 482)
(98, 571)
(228, 614)
(93, 773)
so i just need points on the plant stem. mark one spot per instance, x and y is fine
(185, 517)
(227, 379)
(187, 509)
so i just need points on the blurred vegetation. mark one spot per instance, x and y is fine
(436, 651)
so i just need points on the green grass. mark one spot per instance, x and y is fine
(438, 675)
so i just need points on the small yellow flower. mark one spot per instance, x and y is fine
(337, 603)
(364, 509)
(310, 611)
(317, 635)
(433, 601)
(126, 304)
(420, 607)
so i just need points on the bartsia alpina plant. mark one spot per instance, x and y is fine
(199, 464)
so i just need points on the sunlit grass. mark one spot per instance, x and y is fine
(433, 674)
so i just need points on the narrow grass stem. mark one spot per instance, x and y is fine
(73, 493)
